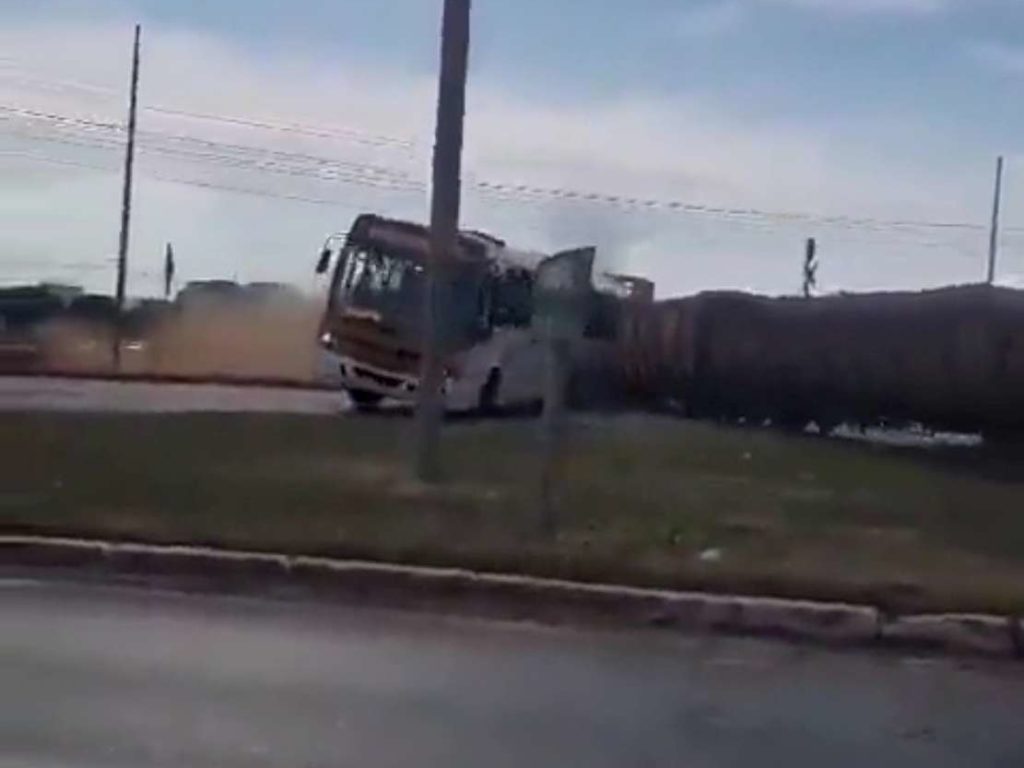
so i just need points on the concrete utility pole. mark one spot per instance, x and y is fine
(993, 242)
(444, 229)
(169, 270)
(810, 267)
(126, 200)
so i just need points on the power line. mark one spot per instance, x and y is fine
(655, 204)
(323, 175)
(754, 225)
(355, 172)
(529, 192)
(357, 137)
(87, 267)
(87, 123)
(323, 132)
(260, 158)
(185, 182)
(60, 119)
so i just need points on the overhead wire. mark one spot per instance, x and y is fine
(323, 175)
(90, 125)
(103, 135)
(517, 192)
(869, 235)
(323, 132)
(303, 199)
(182, 181)
(514, 192)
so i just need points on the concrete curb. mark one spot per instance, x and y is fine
(987, 635)
(510, 596)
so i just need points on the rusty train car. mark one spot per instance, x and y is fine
(951, 358)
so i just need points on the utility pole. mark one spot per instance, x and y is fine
(444, 228)
(810, 267)
(993, 242)
(126, 200)
(169, 269)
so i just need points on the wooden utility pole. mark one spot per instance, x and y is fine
(993, 241)
(444, 229)
(126, 200)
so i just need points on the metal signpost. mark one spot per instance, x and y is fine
(561, 301)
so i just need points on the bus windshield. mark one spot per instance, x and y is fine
(379, 281)
(392, 286)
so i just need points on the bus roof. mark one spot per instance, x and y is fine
(413, 239)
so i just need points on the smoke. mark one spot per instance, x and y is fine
(615, 237)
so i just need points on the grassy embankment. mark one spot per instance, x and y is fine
(643, 499)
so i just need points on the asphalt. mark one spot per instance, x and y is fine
(44, 393)
(102, 676)
(22, 393)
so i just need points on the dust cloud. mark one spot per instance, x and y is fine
(252, 342)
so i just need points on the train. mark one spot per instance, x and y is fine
(947, 359)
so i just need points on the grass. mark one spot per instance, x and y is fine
(644, 501)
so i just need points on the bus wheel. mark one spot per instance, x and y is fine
(488, 403)
(364, 401)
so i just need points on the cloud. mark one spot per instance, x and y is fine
(685, 147)
(709, 20)
(867, 7)
(715, 18)
(998, 57)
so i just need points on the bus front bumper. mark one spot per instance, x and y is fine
(351, 374)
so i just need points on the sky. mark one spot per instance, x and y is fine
(697, 142)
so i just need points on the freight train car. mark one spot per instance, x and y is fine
(949, 359)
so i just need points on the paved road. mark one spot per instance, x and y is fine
(93, 676)
(21, 393)
(18, 393)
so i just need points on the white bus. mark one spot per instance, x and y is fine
(371, 331)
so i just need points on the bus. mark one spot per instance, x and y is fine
(371, 332)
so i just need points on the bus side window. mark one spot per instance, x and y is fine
(512, 303)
